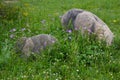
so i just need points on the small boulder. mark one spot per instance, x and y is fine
(34, 44)
(87, 22)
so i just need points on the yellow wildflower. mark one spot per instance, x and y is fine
(26, 4)
(25, 14)
(114, 21)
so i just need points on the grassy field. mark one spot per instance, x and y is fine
(75, 57)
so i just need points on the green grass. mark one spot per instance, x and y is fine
(78, 58)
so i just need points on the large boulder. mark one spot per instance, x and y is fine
(87, 22)
(34, 44)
